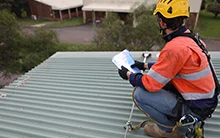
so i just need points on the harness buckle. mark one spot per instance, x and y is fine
(128, 125)
(188, 120)
(180, 99)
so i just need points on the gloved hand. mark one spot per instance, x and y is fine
(139, 65)
(123, 73)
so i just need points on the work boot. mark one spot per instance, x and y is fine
(154, 131)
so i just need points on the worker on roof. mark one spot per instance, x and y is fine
(182, 68)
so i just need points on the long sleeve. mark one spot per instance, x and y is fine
(136, 80)
(163, 71)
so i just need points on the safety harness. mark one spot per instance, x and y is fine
(203, 113)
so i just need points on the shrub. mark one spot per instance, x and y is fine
(214, 8)
(203, 4)
(10, 34)
(37, 47)
(139, 33)
(19, 52)
(109, 35)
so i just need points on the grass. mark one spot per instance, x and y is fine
(209, 26)
(66, 23)
(29, 22)
(62, 46)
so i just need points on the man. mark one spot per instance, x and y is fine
(182, 65)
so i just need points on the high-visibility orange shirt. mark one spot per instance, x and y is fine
(182, 63)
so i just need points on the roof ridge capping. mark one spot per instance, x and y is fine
(110, 54)
(62, 4)
(97, 54)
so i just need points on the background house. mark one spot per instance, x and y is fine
(65, 9)
(123, 7)
(102, 7)
(55, 9)
(194, 13)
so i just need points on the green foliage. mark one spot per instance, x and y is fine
(4, 5)
(14, 6)
(146, 32)
(214, 8)
(61, 46)
(203, 4)
(19, 51)
(141, 33)
(29, 22)
(37, 47)
(10, 34)
(109, 34)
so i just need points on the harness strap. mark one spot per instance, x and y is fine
(180, 101)
(177, 110)
(205, 51)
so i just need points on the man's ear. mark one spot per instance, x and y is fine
(162, 24)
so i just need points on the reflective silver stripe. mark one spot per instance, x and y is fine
(161, 79)
(197, 96)
(196, 75)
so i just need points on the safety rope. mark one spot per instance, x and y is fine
(178, 124)
(128, 124)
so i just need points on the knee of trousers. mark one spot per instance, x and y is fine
(137, 96)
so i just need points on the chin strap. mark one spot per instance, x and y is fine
(162, 31)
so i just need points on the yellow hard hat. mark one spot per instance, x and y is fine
(172, 8)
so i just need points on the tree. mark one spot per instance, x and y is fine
(203, 4)
(5, 5)
(14, 6)
(37, 47)
(138, 32)
(110, 33)
(146, 32)
(216, 1)
(19, 52)
(9, 35)
(214, 8)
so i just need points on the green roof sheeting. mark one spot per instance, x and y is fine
(76, 95)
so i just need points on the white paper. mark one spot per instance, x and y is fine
(125, 59)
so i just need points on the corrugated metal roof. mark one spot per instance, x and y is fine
(62, 4)
(75, 95)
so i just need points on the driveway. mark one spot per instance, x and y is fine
(212, 45)
(84, 34)
(75, 34)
